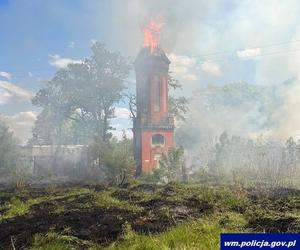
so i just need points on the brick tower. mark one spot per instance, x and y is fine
(153, 127)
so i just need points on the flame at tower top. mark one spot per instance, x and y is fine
(152, 34)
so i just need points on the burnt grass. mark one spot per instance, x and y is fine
(148, 208)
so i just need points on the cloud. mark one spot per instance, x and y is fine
(190, 77)
(9, 90)
(182, 61)
(71, 45)
(61, 63)
(211, 68)
(183, 67)
(93, 41)
(5, 75)
(4, 96)
(21, 124)
(121, 123)
(31, 75)
(119, 133)
(248, 53)
(122, 113)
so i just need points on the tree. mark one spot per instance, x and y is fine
(8, 150)
(291, 157)
(82, 98)
(214, 108)
(118, 162)
(172, 166)
(178, 106)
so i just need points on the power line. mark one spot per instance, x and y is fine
(246, 48)
(255, 56)
(19, 73)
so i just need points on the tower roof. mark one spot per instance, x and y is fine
(156, 59)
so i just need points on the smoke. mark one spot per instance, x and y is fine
(178, 16)
(237, 62)
(195, 29)
(238, 108)
(209, 43)
(213, 43)
(288, 115)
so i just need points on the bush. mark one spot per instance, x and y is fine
(115, 159)
(172, 165)
(8, 151)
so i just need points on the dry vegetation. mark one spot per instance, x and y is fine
(140, 215)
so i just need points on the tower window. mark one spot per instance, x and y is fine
(156, 94)
(145, 95)
(158, 140)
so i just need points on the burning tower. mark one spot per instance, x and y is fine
(153, 127)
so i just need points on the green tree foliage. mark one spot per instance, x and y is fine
(77, 107)
(291, 157)
(79, 101)
(178, 105)
(240, 108)
(172, 165)
(117, 160)
(8, 150)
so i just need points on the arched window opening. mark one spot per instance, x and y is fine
(158, 140)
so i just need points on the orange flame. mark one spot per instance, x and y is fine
(152, 34)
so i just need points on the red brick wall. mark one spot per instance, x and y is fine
(151, 70)
(148, 151)
(156, 117)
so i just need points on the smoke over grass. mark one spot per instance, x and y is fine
(205, 42)
(239, 73)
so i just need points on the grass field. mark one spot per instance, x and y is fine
(140, 215)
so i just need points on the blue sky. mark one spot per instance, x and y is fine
(33, 32)
(212, 42)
